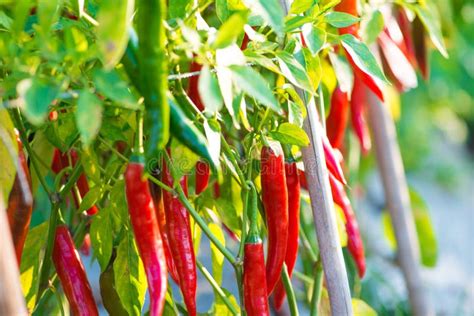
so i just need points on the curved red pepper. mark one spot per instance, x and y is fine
(60, 161)
(157, 196)
(193, 87)
(255, 291)
(293, 186)
(202, 176)
(336, 121)
(421, 51)
(358, 103)
(181, 243)
(408, 47)
(72, 275)
(147, 234)
(245, 42)
(19, 209)
(332, 162)
(275, 203)
(354, 240)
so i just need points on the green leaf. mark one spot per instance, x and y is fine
(48, 13)
(5, 20)
(230, 30)
(362, 56)
(371, 27)
(90, 199)
(295, 115)
(343, 71)
(30, 263)
(213, 135)
(209, 90)
(43, 148)
(293, 71)
(361, 308)
(130, 279)
(8, 170)
(429, 16)
(88, 116)
(102, 237)
(114, 19)
(424, 229)
(177, 8)
(301, 6)
(340, 19)
(290, 134)
(315, 37)
(313, 68)
(112, 86)
(37, 95)
(271, 11)
(295, 22)
(217, 257)
(219, 307)
(184, 159)
(252, 83)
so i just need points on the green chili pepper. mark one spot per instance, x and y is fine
(153, 72)
(181, 126)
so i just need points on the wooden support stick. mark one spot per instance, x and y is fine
(398, 201)
(11, 296)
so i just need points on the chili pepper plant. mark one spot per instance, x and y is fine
(163, 140)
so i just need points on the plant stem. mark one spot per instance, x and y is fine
(317, 286)
(216, 287)
(158, 182)
(303, 277)
(307, 246)
(289, 291)
(198, 219)
(231, 156)
(112, 148)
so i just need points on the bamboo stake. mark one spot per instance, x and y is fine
(398, 201)
(11, 296)
(323, 208)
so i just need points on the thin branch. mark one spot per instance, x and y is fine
(290, 293)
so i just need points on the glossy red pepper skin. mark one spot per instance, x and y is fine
(332, 162)
(157, 196)
(336, 121)
(293, 187)
(255, 291)
(19, 209)
(245, 42)
(61, 161)
(421, 51)
(147, 234)
(193, 87)
(72, 275)
(275, 203)
(180, 239)
(354, 240)
(359, 124)
(202, 176)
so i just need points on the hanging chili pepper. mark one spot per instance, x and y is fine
(332, 162)
(193, 86)
(86, 245)
(293, 187)
(350, 7)
(153, 72)
(354, 240)
(72, 275)
(408, 46)
(336, 121)
(20, 206)
(157, 196)
(61, 161)
(275, 203)
(358, 104)
(254, 276)
(147, 233)
(245, 42)
(181, 243)
(181, 127)
(421, 51)
(202, 176)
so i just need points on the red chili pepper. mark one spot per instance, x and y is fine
(193, 87)
(217, 190)
(421, 51)
(19, 207)
(245, 42)
(302, 178)
(332, 161)
(349, 7)
(293, 186)
(405, 27)
(336, 121)
(180, 239)
(358, 104)
(61, 161)
(157, 196)
(354, 240)
(72, 275)
(254, 276)
(86, 245)
(275, 202)
(147, 234)
(202, 176)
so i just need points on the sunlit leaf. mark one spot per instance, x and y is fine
(112, 86)
(9, 151)
(101, 237)
(315, 37)
(209, 90)
(293, 71)
(37, 95)
(270, 10)
(361, 308)
(371, 27)
(340, 19)
(429, 16)
(300, 6)
(88, 116)
(231, 30)
(217, 257)
(343, 71)
(290, 134)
